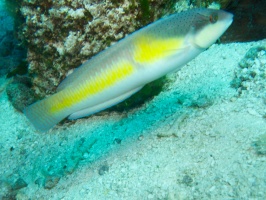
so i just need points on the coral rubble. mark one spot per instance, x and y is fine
(250, 76)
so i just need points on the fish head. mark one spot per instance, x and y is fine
(208, 25)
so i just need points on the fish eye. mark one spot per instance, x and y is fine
(213, 18)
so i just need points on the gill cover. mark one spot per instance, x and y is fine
(209, 26)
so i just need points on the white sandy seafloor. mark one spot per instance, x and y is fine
(163, 150)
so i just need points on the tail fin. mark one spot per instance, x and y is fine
(41, 116)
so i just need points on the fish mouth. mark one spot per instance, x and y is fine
(228, 18)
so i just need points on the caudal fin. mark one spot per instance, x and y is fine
(41, 116)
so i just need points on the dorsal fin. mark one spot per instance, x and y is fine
(71, 77)
(89, 65)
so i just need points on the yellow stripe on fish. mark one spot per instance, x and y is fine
(93, 86)
(124, 68)
(149, 48)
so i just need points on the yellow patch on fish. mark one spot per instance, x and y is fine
(94, 85)
(150, 49)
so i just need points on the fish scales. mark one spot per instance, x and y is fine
(124, 68)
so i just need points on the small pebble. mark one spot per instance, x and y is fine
(187, 180)
(260, 145)
(39, 181)
(253, 112)
(86, 155)
(20, 183)
(103, 169)
(140, 137)
(117, 141)
(51, 182)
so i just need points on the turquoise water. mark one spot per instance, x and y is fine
(201, 137)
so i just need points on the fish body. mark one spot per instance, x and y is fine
(121, 70)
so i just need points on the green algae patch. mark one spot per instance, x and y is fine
(260, 145)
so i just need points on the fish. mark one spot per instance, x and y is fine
(122, 69)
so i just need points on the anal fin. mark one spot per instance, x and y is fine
(107, 104)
